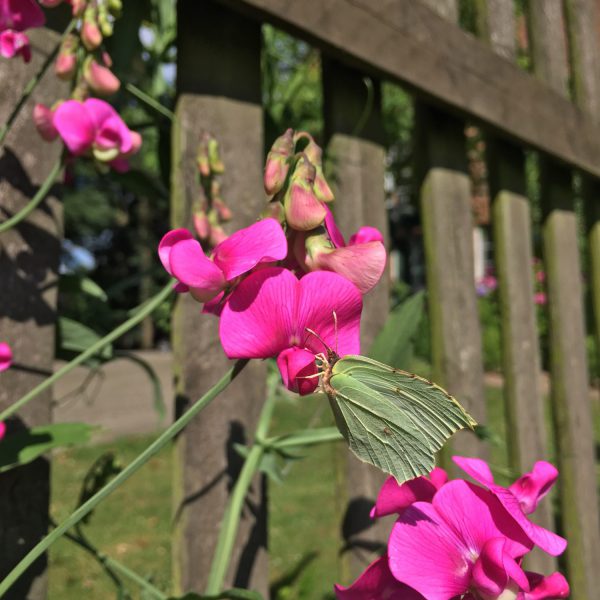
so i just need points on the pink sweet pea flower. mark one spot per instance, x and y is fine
(6, 356)
(2, 429)
(95, 127)
(270, 313)
(14, 43)
(377, 583)
(183, 257)
(394, 498)
(522, 496)
(20, 15)
(362, 261)
(552, 587)
(463, 541)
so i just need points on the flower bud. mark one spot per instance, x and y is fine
(214, 158)
(43, 117)
(303, 211)
(78, 7)
(202, 158)
(91, 36)
(115, 7)
(65, 65)
(222, 209)
(99, 78)
(277, 164)
(217, 235)
(201, 224)
(274, 210)
(315, 155)
(106, 26)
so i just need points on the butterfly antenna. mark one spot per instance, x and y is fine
(335, 328)
(318, 337)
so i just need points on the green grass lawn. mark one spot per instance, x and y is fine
(133, 525)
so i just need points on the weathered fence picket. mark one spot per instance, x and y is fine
(355, 157)
(29, 256)
(219, 87)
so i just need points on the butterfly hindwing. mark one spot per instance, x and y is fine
(394, 420)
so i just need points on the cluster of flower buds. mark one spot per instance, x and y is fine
(210, 210)
(454, 539)
(87, 125)
(300, 195)
(287, 287)
(17, 16)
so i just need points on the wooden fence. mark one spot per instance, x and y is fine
(456, 79)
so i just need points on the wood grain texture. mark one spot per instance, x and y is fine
(525, 410)
(549, 43)
(29, 256)
(447, 9)
(447, 219)
(497, 25)
(206, 462)
(404, 40)
(355, 166)
(582, 23)
(591, 195)
(570, 395)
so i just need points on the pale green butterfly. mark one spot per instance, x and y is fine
(391, 419)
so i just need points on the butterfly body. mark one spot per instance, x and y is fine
(392, 419)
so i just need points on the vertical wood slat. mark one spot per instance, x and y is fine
(511, 221)
(219, 83)
(29, 257)
(447, 218)
(570, 394)
(357, 159)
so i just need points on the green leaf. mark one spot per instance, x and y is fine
(234, 594)
(98, 475)
(392, 419)
(22, 447)
(393, 344)
(77, 337)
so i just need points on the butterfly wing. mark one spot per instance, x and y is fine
(420, 415)
(377, 432)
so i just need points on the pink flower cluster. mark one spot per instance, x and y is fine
(457, 540)
(16, 16)
(284, 288)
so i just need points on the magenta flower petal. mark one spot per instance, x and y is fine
(21, 15)
(295, 365)
(324, 299)
(335, 235)
(258, 321)
(6, 356)
(377, 583)
(167, 243)
(394, 498)
(547, 540)
(495, 568)
(364, 235)
(362, 264)
(427, 555)
(75, 126)
(113, 133)
(533, 486)
(263, 241)
(99, 111)
(191, 266)
(438, 477)
(2, 429)
(553, 587)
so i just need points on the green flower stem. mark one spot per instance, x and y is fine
(141, 313)
(39, 197)
(231, 518)
(151, 102)
(32, 83)
(123, 476)
(307, 437)
(120, 568)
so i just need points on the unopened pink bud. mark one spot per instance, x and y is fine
(43, 117)
(99, 78)
(217, 235)
(223, 210)
(277, 164)
(78, 7)
(91, 36)
(201, 224)
(202, 159)
(214, 157)
(315, 156)
(303, 211)
(65, 66)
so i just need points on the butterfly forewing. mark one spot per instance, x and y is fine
(377, 432)
(416, 416)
